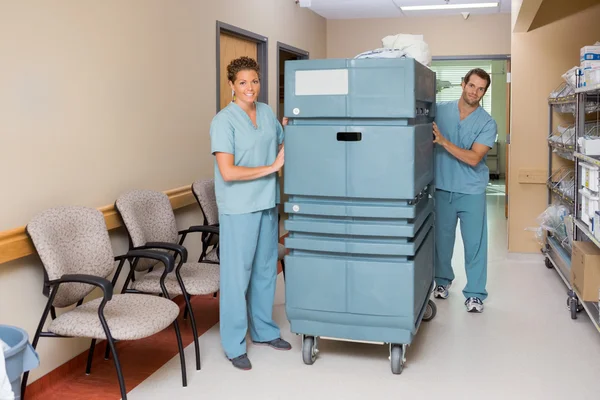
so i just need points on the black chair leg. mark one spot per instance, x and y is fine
(188, 306)
(181, 354)
(88, 368)
(111, 346)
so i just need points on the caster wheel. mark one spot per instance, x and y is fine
(573, 306)
(548, 263)
(397, 359)
(309, 353)
(430, 311)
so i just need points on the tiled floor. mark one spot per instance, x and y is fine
(524, 346)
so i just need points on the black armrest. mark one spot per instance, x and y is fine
(102, 283)
(201, 228)
(182, 251)
(165, 258)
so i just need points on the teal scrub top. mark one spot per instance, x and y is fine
(451, 174)
(232, 131)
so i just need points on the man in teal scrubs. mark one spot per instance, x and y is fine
(247, 141)
(463, 133)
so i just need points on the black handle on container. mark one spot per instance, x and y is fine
(349, 136)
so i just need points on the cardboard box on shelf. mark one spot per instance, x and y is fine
(585, 270)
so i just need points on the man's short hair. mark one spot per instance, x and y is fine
(480, 73)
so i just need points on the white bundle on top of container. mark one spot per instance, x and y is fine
(399, 46)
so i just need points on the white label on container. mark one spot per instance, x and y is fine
(325, 82)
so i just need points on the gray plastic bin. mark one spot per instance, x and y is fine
(21, 357)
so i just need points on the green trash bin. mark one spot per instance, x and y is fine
(19, 358)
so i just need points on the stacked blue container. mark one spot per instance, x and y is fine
(359, 176)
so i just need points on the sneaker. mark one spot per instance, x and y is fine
(441, 291)
(277, 344)
(242, 362)
(474, 304)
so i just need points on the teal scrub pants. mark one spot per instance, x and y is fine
(248, 259)
(470, 209)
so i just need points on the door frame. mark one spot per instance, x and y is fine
(301, 54)
(262, 57)
(508, 133)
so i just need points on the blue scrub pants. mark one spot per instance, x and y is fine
(470, 209)
(248, 258)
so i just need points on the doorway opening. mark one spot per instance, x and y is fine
(234, 42)
(450, 72)
(285, 53)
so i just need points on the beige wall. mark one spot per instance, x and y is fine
(100, 97)
(539, 58)
(446, 36)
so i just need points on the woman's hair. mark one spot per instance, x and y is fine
(241, 64)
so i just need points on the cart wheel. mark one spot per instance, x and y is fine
(309, 355)
(579, 305)
(548, 263)
(397, 359)
(430, 311)
(573, 307)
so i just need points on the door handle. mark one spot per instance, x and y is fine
(349, 136)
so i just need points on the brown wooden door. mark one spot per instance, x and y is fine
(232, 47)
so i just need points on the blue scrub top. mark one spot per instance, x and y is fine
(232, 131)
(451, 174)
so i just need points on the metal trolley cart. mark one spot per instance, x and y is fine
(359, 176)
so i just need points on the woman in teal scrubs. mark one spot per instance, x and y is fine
(247, 141)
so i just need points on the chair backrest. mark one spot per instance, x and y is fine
(148, 217)
(72, 240)
(204, 192)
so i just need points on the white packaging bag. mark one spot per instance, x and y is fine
(413, 45)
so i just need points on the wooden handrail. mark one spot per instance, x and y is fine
(15, 243)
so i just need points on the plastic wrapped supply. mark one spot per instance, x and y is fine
(557, 221)
(563, 137)
(414, 45)
(571, 77)
(401, 45)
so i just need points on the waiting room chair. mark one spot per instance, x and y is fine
(150, 222)
(204, 192)
(75, 250)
